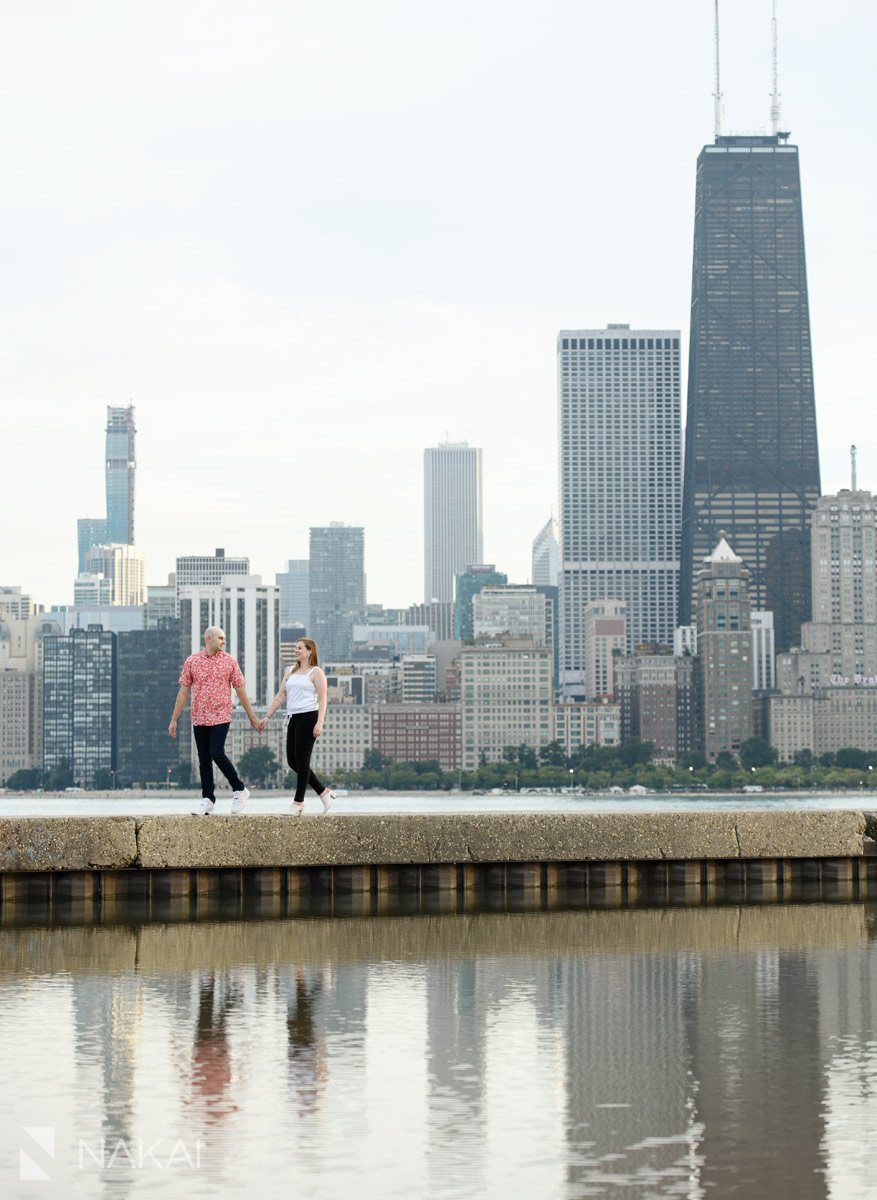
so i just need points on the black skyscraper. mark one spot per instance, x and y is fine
(751, 459)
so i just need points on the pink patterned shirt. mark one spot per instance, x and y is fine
(211, 678)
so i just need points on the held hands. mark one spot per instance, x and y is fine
(260, 725)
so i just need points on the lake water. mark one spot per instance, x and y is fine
(124, 803)
(645, 1052)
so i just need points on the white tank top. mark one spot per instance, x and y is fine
(301, 695)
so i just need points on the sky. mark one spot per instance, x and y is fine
(307, 240)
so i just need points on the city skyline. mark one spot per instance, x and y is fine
(203, 321)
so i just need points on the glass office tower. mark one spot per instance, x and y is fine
(121, 468)
(751, 459)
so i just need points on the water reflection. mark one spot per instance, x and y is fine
(649, 1053)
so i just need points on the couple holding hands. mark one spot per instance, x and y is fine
(210, 675)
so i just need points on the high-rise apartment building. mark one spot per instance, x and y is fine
(417, 678)
(79, 702)
(418, 733)
(90, 531)
(121, 468)
(452, 518)
(724, 646)
(579, 724)
(659, 696)
(208, 570)
(620, 482)
(605, 627)
(438, 615)
(123, 568)
(15, 603)
(751, 460)
(546, 555)
(295, 593)
(161, 604)
(249, 613)
(764, 673)
(467, 585)
(147, 669)
(519, 610)
(92, 591)
(337, 587)
(506, 698)
(843, 553)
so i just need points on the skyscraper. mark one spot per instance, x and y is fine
(208, 570)
(337, 588)
(121, 467)
(79, 702)
(451, 515)
(295, 593)
(123, 569)
(751, 461)
(546, 554)
(844, 583)
(467, 584)
(620, 482)
(724, 646)
(249, 613)
(90, 531)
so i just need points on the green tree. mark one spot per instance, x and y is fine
(60, 777)
(28, 779)
(103, 780)
(853, 759)
(694, 758)
(725, 761)
(373, 760)
(804, 758)
(755, 752)
(633, 751)
(259, 764)
(552, 755)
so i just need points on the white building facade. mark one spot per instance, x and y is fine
(452, 516)
(249, 613)
(620, 477)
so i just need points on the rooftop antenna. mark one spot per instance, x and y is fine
(775, 94)
(717, 94)
(853, 460)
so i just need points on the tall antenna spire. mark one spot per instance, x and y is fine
(775, 93)
(717, 94)
(853, 460)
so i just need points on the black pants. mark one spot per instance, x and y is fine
(299, 747)
(210, 740)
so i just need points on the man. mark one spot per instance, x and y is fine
(210, 675)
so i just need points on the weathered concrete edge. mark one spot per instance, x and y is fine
(170, 842)
(67, 843)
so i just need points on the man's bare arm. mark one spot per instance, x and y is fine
(182, 697)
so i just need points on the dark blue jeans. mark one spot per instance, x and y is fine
(210, 740)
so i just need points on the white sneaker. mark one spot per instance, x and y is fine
(203, 808)
(326, 799)
(240, 799)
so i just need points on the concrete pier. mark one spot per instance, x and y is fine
(186, 857)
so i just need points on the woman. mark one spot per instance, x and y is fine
(305, 691)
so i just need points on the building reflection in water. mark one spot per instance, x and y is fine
(684, 1052)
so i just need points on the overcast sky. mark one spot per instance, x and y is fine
(308, 239)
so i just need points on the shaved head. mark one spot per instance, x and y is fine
(214, 639)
